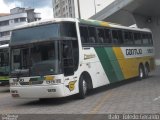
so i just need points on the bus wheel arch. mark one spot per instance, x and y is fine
(85, 83)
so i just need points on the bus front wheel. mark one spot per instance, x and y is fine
(83, 87)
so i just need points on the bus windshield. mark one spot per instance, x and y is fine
(4, 62)
(36, 60)
(35, 50)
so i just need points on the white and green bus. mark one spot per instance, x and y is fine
(63, 57)
(4, 65)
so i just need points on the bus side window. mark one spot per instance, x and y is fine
(137, 38)
(114, 36)
(92, 35)
(117, 37)
(100, 33)
(84, 34)
(145, 39)
(128, 38)
(150, 39)
(120, 37)
(68, 30)
(107, 36)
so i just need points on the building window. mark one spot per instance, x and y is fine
(57, 6)
(71, 15)
(70, 9)
(63, 3)
(23, 19)
(69, 1)
(63, 9)
(56, 1)
(4, 23)
(6, 33)
(16, 20)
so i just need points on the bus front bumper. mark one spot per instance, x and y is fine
(52, 91)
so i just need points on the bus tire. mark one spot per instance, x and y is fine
(141, 74)
(83, 87)
(146, 69)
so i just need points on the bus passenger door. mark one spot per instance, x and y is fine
(68, 61)
(70, 64)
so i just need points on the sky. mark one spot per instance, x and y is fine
(45, 6)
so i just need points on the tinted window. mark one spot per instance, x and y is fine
(150, 39)
(92, 35)
(137, 38)
(34, 34)
(68, 30)
(107, 36)
(117, 37)
(84, 34)
(145, 38)
(101, 36)
(128, 38)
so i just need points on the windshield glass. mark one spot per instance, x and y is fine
(35, 34)
(4, 62)
(37, 60)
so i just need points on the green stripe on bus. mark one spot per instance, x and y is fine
(110, 64)
(4, 78)
(115, 64)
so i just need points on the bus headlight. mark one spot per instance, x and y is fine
(52, 80)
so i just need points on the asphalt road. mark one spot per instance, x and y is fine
(130, 96)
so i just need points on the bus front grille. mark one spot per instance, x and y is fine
(31, 83)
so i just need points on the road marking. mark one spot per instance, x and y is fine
(99, 104)
(156, 98)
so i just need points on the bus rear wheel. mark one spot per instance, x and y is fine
(141, 72)
(146, 69)
(83, 87)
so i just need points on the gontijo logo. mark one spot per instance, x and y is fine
(134, 52)
(71, 85)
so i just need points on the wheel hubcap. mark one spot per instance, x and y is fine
(84, 87)
(141, 73)
(146, 71)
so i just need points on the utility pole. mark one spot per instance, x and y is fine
(95, 6)
(79, 10)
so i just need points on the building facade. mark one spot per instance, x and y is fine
(17, 16)
(63, 8)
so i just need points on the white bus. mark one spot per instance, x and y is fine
(4, 65)
(63, 57)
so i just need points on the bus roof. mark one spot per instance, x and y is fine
(89, 21)
(4, 46)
